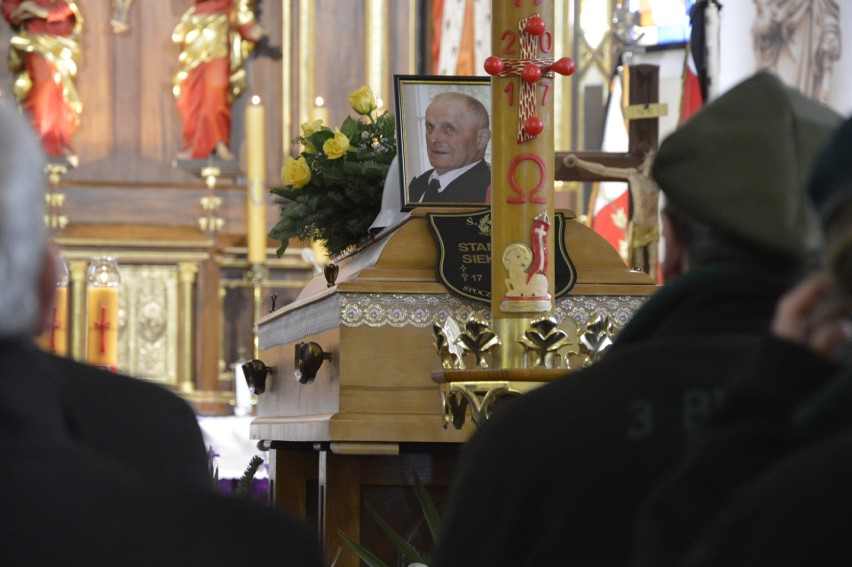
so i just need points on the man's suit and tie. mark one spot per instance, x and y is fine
(470, 187)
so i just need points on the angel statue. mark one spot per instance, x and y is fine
(43, 54)
(216, 38)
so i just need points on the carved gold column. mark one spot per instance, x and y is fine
(77, 325)
(187, 272)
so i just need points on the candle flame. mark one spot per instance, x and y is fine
(319, 101)
(255, 99)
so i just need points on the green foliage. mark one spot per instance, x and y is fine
(343, 196)
(365, 554)
(412, 555)
(430, 512)
(244, 484)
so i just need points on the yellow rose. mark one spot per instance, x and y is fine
(312, 127)
(308, 129)
(362, 101)
(296, 172)
(336, 147)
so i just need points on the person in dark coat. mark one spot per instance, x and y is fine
(75, 484)
(765, 481)
(457, 135)
(556, 476)
(136, 423)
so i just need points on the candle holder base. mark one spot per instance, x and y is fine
(257, 274)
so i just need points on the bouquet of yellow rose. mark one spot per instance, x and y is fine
(333, 190)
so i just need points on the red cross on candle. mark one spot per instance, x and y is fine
(531, 70)
(54, 325)
(103, 325)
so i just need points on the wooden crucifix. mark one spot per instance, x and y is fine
(643, 92)
(642, 113)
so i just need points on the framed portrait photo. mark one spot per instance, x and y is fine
(444, 139)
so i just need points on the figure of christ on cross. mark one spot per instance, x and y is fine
(644, 229)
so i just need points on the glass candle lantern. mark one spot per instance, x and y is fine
(54, 338)
(102, 285)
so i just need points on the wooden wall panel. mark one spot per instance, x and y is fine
(94, 138)
(339, 60)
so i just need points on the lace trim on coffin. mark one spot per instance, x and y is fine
(420, 310)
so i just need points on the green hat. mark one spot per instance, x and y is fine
(741, 165)
(831, 181)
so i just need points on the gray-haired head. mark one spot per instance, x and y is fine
(22, 231)
(474, 106)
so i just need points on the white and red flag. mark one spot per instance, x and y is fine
(461, 36)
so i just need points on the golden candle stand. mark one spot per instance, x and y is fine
(257, 275)
(211, 203)
(54, 200)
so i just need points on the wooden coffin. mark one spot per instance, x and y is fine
(375, 391)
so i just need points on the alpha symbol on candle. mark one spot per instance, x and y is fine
(103, 325)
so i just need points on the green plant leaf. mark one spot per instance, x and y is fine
(365, 555)
(317, 139)
(430, 512)
(349, 127)
(401, 544)
(336, 557)
(243, 485)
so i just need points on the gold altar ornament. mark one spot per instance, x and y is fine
(478, 339)
(597, 338)
(543, 341)
(446, 343)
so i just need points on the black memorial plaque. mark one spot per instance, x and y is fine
(464, 253)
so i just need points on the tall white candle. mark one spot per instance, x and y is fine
(255, 175)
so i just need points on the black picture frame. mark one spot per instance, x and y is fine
(413, 93)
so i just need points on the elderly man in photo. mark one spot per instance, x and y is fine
(457, 134)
